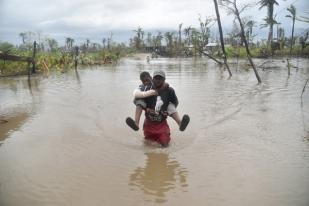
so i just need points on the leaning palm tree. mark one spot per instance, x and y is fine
(292, 15)
(270, 16)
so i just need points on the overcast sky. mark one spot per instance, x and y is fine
(95, 19)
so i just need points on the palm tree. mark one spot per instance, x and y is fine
(204, 31)
(52, 43)
(139, 37)
(281, 37)
(69, 43)
(104, 42)
(142, 35)
(157, 40)
(195, 38)
(292, 15)
(270, 16)
(87, 43)
(250, 24)
(110, 40)
(187, 33)
(23, 37)
(169, 40)
(149, 37)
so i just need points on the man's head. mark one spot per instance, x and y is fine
(158, 78)
(145, 78)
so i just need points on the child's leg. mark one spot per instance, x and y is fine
(171, 110)
(138, 113)
(140, 104)
(182, 123)
(176, 117)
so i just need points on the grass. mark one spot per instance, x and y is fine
(264, 52)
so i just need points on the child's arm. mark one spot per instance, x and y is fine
(138, 94)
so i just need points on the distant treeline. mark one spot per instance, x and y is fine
(181, 42)
(192, 41)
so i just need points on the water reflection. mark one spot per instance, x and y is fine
(17, 103)
(159, 176)
(11, 123)
(77, 77)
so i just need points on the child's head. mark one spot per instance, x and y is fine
(145, 78)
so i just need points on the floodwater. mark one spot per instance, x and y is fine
(64, 141)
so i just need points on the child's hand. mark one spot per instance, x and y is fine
(153, 92)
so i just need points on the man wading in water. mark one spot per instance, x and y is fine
(157, 108)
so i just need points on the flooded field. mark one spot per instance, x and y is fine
(64, 141)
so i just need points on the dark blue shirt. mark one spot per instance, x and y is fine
(167, 95)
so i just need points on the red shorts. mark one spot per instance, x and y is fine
(157, 131)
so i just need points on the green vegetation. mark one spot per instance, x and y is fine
(58, 58)
(264, 52)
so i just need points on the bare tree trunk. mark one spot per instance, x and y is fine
(243, 36)
(270, 34)
(289, 66)
(76, 57)
(221, 37)
(33, 57)
(180, 40)
(291, 46)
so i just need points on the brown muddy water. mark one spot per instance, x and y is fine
(64, 140)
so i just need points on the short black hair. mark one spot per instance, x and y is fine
(144, 75)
